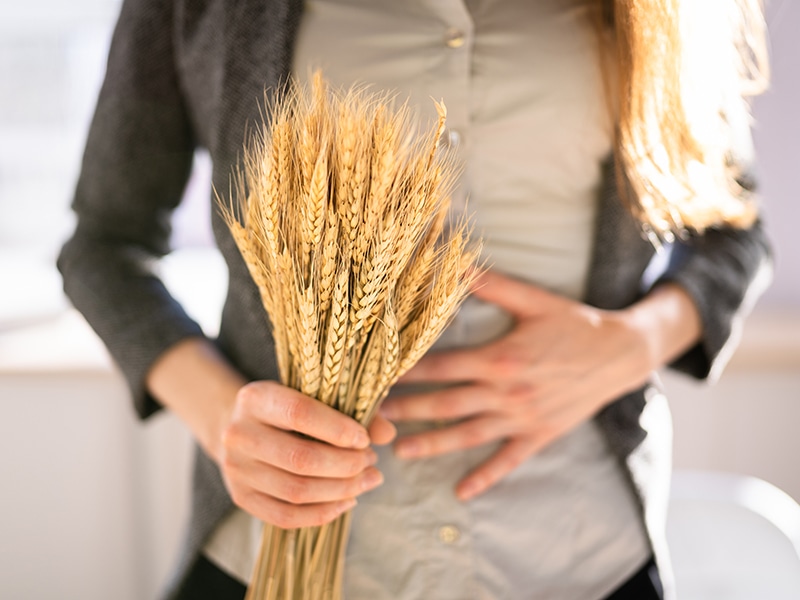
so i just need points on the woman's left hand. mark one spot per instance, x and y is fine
(558, 366)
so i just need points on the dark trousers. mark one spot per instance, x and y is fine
(207, 582)
(644, 585)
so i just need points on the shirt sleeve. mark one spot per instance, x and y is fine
(137, 159)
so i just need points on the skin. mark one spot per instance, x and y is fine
(250, 430)
(560, 363)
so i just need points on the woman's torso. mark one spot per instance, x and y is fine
(528, 119)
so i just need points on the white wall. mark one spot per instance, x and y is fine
(777, 140)
(93, 503)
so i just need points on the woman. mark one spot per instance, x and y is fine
(541, 469)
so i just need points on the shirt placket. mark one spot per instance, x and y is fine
(455, 44)
(448, 531)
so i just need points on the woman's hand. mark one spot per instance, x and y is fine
(288, 479)
(558, 366)
(260, 434)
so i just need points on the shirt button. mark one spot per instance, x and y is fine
(449, 534)
(454, 38)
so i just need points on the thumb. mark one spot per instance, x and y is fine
(515, 296)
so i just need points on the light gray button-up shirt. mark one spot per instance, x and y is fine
(527, 117)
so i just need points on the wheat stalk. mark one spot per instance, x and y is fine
(341, 217)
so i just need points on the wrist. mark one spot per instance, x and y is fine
(220, 401)
(667, 321)
(194, 381)
(644, 337)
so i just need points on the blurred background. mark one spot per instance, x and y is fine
(93, 502)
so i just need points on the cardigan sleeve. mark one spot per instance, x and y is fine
(136, 162)
(724, 270)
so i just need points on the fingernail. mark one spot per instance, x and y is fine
(407, 449)
(467, 490)
(372, 479)
(361, 439)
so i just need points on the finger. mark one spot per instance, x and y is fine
(517, 297)
(289, 516)
(510, 456)
(451, 403)
(381, 430)
(292, 453)
(448, 366)
(296, 489)
(460, 436)
(288, 409)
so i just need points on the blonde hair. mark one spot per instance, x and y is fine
(685, 69)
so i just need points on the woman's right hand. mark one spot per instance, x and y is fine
(292, 480)
(253, 432)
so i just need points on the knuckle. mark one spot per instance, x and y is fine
(508, 462)
(232, 441)
(520, 394)
(248, 395)
(330, 513)
(227, 463)
(533, 412)
(448, 405)
(351, 465)
(284, 517)
(507, 363)
(300, 458)
(530, 421)
(295, 412)
(548, 432)
(238, 497)
(297, 491)
(341, 437)
(473, 436)
(292, 517)
(358, 463)
(231, 436)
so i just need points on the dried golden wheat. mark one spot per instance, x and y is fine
(341, 215)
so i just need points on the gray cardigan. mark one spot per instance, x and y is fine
(183, 75)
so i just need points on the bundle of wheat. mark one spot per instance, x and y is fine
(342, 219)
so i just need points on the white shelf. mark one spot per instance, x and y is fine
(770, 342)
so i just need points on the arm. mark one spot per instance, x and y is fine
(724, 271)
(667, 320)
(250, 431)
(136, 162)
(562, 362)
(137, 159)
(562, 365)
